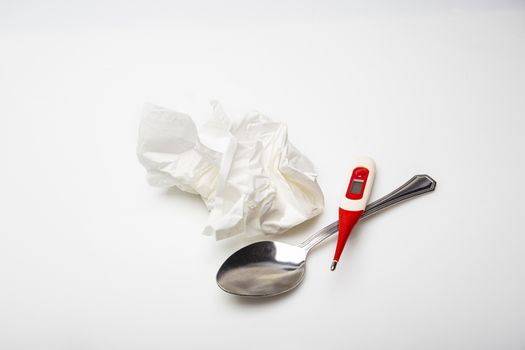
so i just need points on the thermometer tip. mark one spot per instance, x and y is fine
(334, 264)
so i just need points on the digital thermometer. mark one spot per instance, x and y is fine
(354, 202)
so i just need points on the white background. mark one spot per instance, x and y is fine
(91, 257)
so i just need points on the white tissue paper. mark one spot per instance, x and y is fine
(252, 179)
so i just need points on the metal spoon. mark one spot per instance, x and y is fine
(268, 268)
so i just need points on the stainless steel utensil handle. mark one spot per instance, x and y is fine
(416, 186)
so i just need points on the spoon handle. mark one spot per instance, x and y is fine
(416, 186)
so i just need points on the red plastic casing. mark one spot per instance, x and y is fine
(359, 174)
(347, 221)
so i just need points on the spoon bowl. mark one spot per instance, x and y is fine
(263, 269)
(269, 268)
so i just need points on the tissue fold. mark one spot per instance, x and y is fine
(251, 178)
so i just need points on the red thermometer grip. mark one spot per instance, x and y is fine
(347, 221)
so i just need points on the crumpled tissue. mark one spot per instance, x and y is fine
(251, 178)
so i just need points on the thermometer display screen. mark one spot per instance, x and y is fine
(357, 186)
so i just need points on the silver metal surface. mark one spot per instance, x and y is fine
(269, 268)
